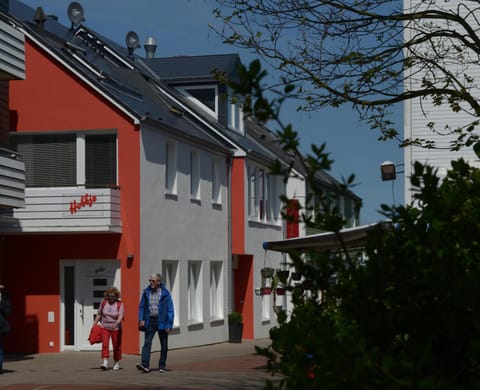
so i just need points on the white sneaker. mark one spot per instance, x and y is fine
(104, 366)
(116, 366)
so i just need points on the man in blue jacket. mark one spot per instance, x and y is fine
(155, 314)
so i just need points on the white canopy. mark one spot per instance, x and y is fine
(322, 242)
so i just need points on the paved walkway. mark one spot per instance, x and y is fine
(211, 367)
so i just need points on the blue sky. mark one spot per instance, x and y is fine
(181, 27)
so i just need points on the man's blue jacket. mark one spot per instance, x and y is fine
(165, 308)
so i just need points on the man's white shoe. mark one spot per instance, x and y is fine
(116, 366)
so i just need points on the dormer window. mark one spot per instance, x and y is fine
(204, 96)
(235, 116)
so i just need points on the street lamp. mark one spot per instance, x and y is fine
(387, 168)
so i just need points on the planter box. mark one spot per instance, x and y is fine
(266, 290)
(280, 291)
(235, 332)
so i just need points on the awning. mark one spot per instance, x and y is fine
(323, 242)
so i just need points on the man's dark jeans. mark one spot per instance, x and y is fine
(150, 331)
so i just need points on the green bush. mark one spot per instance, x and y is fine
(235, 318)
(406, 318)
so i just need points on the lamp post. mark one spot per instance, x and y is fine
(389, 173)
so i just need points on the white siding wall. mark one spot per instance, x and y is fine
(179, 230)
(256, 234)
(417, 114)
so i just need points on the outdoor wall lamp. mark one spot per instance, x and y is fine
(387, 168)
(129, 259)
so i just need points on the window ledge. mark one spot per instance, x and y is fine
(216, 206)
(170, 195)
(196, 201)
(271, 224)
(195, 325)
(217, 321)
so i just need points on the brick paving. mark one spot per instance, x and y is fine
(211, 367)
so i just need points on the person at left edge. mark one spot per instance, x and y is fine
(110, 315)
(5, 310)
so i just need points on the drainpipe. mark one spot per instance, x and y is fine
(229, 248)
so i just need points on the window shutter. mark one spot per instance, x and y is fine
(50, 160)
(101, 160)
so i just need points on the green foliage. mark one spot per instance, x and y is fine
(235, 317)
(406, 318)
(363, 53)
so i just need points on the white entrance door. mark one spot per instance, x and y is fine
(83, 285)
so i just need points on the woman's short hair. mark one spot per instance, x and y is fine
(112, 291)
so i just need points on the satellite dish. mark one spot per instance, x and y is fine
(132, 40)
(75, 13)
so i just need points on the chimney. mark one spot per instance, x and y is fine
(39, 18)
(150, 47)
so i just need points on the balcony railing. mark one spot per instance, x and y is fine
(12, 179)
(12, 53)
(64, 210)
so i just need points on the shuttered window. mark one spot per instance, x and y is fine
(51, 159)
(100, 160)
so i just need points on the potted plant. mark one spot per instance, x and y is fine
(235, 327)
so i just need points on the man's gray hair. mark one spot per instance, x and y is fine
(158, 276)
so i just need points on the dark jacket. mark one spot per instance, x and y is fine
(5, 310)
(165, 308)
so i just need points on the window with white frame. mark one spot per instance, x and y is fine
(171, 168)
(235, 115)
(348, 211)
(204, 96)
(339, 204)
(216, 181)
(216, 290)
(252, 192)
(194, 175)
(195, 307)
(264, 192)
(170, 281)
(275, 203)
(262, 200)
(68, 159)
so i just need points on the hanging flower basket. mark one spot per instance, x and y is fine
(267, 272)
(296, 276)
(266, 290)
(283, 276)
